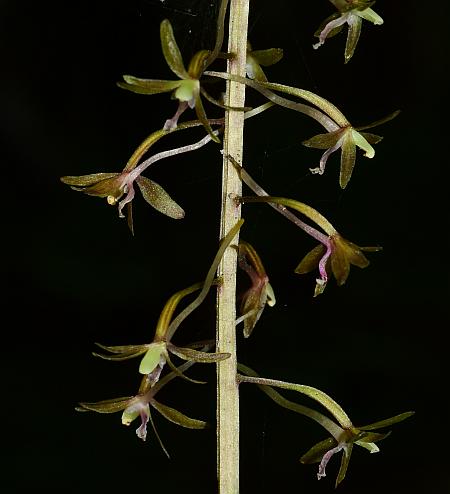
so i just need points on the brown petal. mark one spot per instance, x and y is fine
(311, 260)
(348, 158)
(340, 265)
(324, 141)
(158, 198)
(85, 180)
(171, 51)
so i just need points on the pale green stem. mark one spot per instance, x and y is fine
(314, 393)
(308, 211)
(227, 388)
(336, 431)
(332, 112)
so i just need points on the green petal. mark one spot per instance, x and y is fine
(85, 180)
(122, 348)
(201, 115)
(387, 422)
(179, 373)
(186, 90)
(344, 464)
(334, 31)
(348, 158)
(254, 70)
(315, 454)
(106, 406)
(152, 357)
(267, 57)
(371, 437)
(354, 31)
(371, 16)
(177, 417)
(340, 266)
(361, 142)
(197, 64)
(171, 51)
(158, 198)
(324, 141)
(311, 260)
(356, 257)
(371, 138)
(197, 356)
(147, 86)
(371, 447)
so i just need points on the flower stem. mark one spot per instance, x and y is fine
(227, 388)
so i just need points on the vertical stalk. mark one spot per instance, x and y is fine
(227, 387)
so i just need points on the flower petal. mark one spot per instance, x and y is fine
(85, 180)
(106, 406)
(171, 51)
(348, 158)
(195, 355)
(371, 16)
(148, 86)
(158, 198)
(201, 115)
(311, 260)
(387, 422)
(177, 417)
(323, 141)
(354, 31)
(267, 57)
(153, 357)
(315, 454)
(340, 265)
(344, 463)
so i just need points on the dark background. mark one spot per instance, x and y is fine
(74, 275)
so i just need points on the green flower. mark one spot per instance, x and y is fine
(337, 257)
(343, 434)
(256, 58)
(139, 406)
(351, 12)
(259, 294)
(113, 186)
(186, 90)
(362, 436)
(347, 139)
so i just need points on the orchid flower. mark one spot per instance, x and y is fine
(259, 294)
(343, 434)
(352, 13)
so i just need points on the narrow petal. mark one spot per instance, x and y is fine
(315, 454)
(323, 141)
(197, 356)
(311, 260)
(201, 115)
(371, 16)
(361, 142)
(85, 180)
(106, 406)
(177, 417)
(340, 266)
(267, 57)
(371, 138)
(354, 31)
(348, 158)
(171, 51)
(344, 463)
(333, 31)
(387, 422)
(148, 86)
(158, 198)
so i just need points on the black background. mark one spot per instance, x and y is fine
(74, 275)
